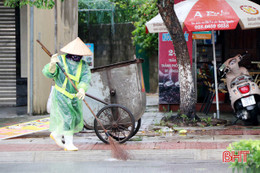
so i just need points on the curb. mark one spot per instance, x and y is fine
(180, 155)
(100, 146)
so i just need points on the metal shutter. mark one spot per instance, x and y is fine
(7, 56)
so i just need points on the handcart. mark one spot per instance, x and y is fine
(117, 96)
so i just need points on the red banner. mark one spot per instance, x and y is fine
(169, 89)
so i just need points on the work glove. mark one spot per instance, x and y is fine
(54, 60)
(81, 94)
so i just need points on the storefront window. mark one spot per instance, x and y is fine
(205, 69)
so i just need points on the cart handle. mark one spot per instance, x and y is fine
(90, 96)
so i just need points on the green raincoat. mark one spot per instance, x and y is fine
(66, 110)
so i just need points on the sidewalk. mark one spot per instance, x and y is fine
(207, 143)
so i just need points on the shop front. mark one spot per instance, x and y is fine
(227, 43)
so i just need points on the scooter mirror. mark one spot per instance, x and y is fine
(222, 67)
(243, 55)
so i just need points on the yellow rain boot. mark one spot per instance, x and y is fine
(57, 138)
(69, 146)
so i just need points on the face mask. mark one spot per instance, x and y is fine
(76, 58)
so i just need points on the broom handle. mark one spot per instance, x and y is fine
(44, 48)
(48, 52)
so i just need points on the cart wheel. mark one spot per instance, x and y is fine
(137, 127)
(117, 120)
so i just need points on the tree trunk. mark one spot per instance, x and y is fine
(187, 92)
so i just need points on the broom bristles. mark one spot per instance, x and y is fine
(116, 151)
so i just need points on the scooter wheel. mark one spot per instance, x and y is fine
(253, 121)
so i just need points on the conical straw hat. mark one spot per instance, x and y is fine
(77, 47)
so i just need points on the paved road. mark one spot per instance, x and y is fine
(116, 167)
(150, 161)
(197, 152)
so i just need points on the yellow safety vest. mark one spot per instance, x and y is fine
(75, 78)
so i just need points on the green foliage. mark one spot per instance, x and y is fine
(136, 11)
(44, 4)
(184, 117)
(253, 159)
(162, 123)
(168, 115)
(206, 120)
(136, 138)
(96, 12)
(101, 11)
(174, 125)
(148, 42)
(139, 12)
(125, 10)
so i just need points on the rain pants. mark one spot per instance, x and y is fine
(66, 116)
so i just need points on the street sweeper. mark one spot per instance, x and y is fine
(66, 109)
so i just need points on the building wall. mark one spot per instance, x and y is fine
(53, 37)
(67, 22)
(110, 46)
(43, 31)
